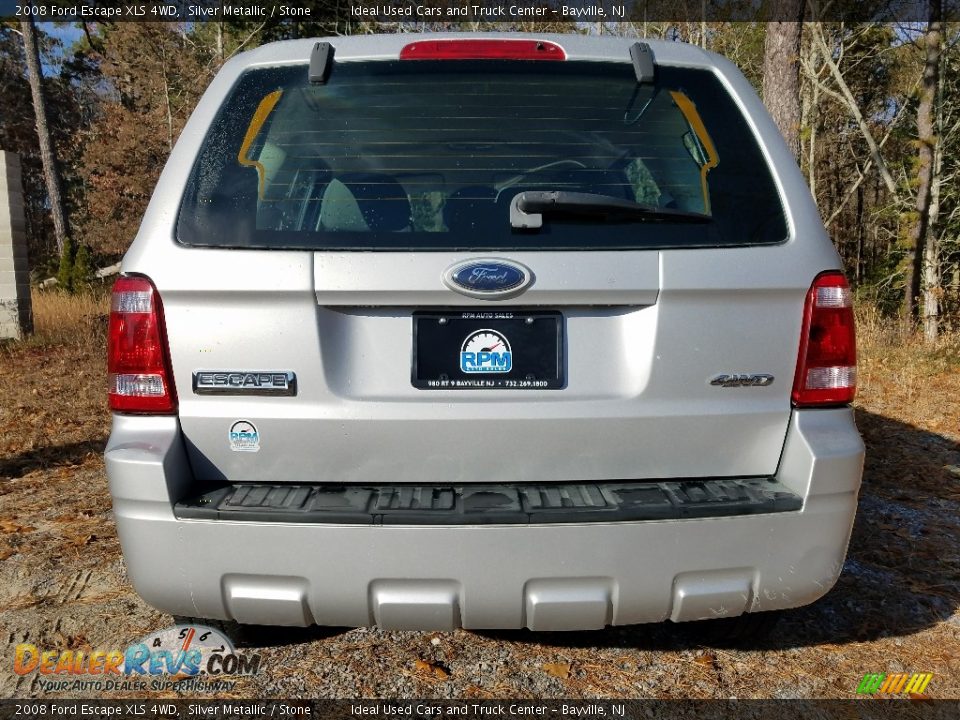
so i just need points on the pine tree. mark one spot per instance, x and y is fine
(81, 268)
(65, 271)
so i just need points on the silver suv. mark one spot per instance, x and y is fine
(483, 331)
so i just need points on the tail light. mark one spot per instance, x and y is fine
(138, 362)
(482, 50)
(827, 362)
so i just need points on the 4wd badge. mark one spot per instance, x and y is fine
(730, 381)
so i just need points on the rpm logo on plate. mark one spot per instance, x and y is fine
(486, 351)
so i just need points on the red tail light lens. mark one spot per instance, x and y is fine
(482, 50)
(137, 359)
(827, 363)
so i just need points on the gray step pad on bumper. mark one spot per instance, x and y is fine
(523, 504)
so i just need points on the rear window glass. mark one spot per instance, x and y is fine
(428, 155)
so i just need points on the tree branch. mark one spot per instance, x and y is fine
(854, 109)
(866, 167)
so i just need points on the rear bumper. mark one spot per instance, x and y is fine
(542, 576)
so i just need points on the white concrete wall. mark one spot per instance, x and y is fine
(15, 316)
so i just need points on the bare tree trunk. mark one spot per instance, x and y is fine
(861, 237)
(812, 154)
(933, 43)
(51, 172)
(166, 96)
(703, 24)
(932, 276)
(932, 286)
(810, 113)
(781, 72)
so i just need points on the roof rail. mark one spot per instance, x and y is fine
(644, 64)
(321, 59)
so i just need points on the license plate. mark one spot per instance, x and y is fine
(484, 350)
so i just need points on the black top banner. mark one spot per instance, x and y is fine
(472, 11)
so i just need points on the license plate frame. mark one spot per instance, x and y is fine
(533, 339)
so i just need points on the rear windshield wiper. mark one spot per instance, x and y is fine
(528, 208)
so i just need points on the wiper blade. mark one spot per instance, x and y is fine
(528, 208)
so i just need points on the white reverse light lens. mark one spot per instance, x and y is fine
(829, 378)
(136, 385)
(834, 297)
(133, 301)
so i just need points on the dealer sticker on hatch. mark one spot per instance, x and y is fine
(244, 437)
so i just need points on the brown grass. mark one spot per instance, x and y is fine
(63, 319)
(883, 336)
(53, 410)
(900, 376)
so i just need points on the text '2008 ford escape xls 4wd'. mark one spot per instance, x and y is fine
(482, 331)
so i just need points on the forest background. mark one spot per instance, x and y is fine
(871, 110)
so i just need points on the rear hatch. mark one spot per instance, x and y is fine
(355, 301)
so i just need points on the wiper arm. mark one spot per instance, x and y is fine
(528, 208)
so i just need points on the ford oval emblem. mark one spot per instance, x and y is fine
(488, 278)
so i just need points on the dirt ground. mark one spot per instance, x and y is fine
(894, 609)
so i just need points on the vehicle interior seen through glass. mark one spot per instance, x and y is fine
(430, 155)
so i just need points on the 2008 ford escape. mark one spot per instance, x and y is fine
(489, 331)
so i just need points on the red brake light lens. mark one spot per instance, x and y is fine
(137, 359)
(827, 362)
(483, 50)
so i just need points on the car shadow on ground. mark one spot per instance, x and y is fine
(899, 579)
(50, 456)
(264, 636)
